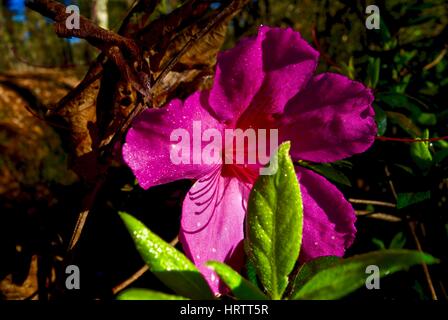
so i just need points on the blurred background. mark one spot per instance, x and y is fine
(399, 189)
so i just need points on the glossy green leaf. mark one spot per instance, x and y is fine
(406, 199)
(144, 294)
(350, 274)
(240, 287)
(274, 224)
(309, 269)
(168, 264)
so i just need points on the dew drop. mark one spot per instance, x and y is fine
(315, 243)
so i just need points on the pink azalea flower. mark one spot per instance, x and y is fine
(266, 82)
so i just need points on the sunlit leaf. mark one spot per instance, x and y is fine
(350, 274)
(144, 294)
(421, 154)
(311, 268)
(240, 287)
(274, 224)
(168, 264)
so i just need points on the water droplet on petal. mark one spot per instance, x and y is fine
(315, 243)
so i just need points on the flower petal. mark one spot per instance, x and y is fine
(148, 146)
(262, 72)
(213, 222)
(329, 219)
(331, 119)
(238, 77)
(288, 64)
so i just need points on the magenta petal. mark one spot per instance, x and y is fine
(329, 219)
(288, 63)
(147, 147)
(239, 76)
(331, 119)
(213, 222)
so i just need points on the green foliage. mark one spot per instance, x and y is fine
(240, 287)
(421, 154)
(274, 230)
(274, 224)
(168, 264)
(350, 274)
(145, 294)
(407, 199)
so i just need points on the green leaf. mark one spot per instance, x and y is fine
(309, 269)
(379, 243)
(398, 241)
(427, 119)
(406, 199)
(441, 155)
(373, 72)
(168, 264)
(405, 123)
(328, 171)
(241, 288)
(421, 154)
(144, 294)
(350, 274)
(274, 224)
(402, 101)
(349, 69)
(251, 273)
(381, 119)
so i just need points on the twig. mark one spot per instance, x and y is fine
(436, 60)
(391, 184)
(424, 265)
(378, 215)
(373, 203)
(137, 275)
(95, 35)
(326, 57)
(232, 7)
(82, 217)
(411, 225)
